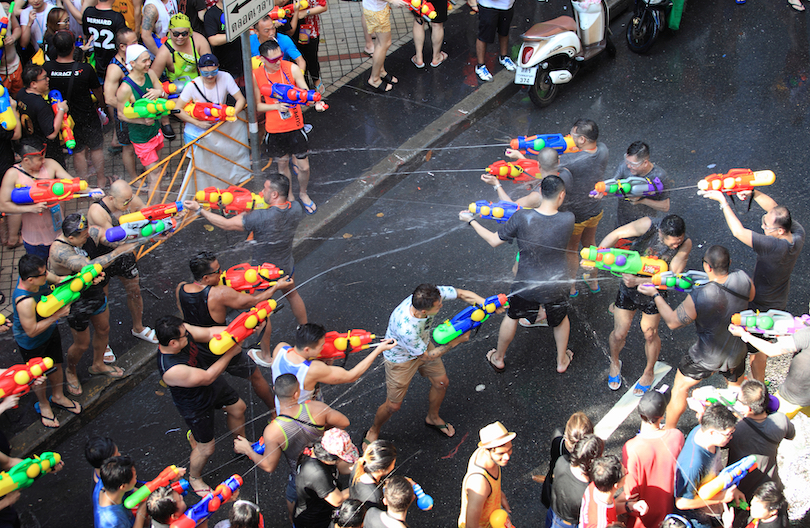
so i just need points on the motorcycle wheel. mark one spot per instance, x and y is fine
(544, 91)
(642, 35)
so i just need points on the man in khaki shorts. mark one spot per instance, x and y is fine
(410, 325)
(377, 14)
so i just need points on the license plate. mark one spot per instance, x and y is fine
(525, 75)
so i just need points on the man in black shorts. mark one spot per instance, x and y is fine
(664, 239)
(105, 214)
(70, 252)
(76, 81)
(436, 36)
(710, 307)
(541, 279)
(493, 16)
(197, 392)
(38, 336)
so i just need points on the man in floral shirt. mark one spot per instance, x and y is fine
(410, 325)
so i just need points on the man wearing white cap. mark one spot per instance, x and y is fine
(144, 132)
(481, 492)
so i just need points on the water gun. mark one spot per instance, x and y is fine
(618, 261)
(241, 328)
(248, 279)
(211, 111)
(702, 397)
(682, 282)
(7, 118)
(423, 8)
(634, 186)
(772, 323)
(500, 519)
(467, 319)
(23, 474)
(66, 134)
(281, 14)
(337, 344)
(258, 446)
(149, 109)
(209, 504)
(730, 476)
(233, 200)
(153, 212)
(522, 170)
(4, 25)
(17, 379)
(68, 291)
(175, 87)
(143, 229)
(50, 191)
(164, 479)
(300, 4)
(534, 144)
(500, 211)
(736, 180)
(289, 94)
(423, 500)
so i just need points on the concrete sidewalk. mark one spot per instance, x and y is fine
(467, 102)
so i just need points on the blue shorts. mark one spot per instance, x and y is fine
(42, 251)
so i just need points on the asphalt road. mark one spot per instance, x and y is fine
(727, 91)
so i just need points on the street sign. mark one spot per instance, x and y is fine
(240, 15)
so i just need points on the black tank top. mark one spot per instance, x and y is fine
(189, 400)
(91, 251)
(195, 307)
(103, 250)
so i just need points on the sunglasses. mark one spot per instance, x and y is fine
(272, 61)
(37, 152)
(212, 73)
(179, 34)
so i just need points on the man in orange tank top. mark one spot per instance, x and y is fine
(481, 492)
(284, 123)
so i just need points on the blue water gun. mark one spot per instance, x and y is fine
(500, 211)
(468, 318)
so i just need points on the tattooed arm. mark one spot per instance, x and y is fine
(682, 316)
(150, 16)
(65, 260)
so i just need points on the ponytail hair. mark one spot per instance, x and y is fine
(378, 456)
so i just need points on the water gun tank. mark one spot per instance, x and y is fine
(591, 23)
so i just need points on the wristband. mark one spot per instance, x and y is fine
(497, 186)
(470, 222)
(656, 295)
(723, 205)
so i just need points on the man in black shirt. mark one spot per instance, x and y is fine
(101, 24)
(75, 81)
(36, 115)
(197, 392)
(228, 53)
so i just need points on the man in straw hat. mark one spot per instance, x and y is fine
(481, 493)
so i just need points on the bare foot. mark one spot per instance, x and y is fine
(495, 365)
(562, 367)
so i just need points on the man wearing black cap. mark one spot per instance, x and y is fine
(650, 461)
(212, 86)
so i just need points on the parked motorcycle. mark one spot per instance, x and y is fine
(650, 18)
(553, 51)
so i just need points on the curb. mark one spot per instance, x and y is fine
(336, 212)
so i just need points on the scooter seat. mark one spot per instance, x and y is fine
(550, 27)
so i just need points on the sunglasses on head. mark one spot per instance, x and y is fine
(36, 152)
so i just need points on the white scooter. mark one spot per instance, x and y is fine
(553, 51)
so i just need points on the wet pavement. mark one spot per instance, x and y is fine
(727, 91)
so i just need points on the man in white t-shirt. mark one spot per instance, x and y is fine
(410, 325)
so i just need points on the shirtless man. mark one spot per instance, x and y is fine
(205, 303)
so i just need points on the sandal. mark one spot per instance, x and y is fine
(383, 87)
(441, 429)
(390, 79)
(615, 379)
(442, 57)
(420, 66)
(113, 372)
(76, 408)
(45, 419)
(147, 334)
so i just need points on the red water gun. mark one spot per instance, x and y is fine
(209, 504)
(241, 328)
(174, 88)
(17, 379)
(338, 344)
(49, 191)
(248, 279)
(522, 170)
(736, 180)
(66, 134)
(281, 14)
(142, 493)
(233, 200)
(211, 111)
(425, 9)
(153, 213)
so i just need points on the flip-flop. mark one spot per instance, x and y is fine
(525, 323)
(111, 373)
(71, 409)
(72, 388)
(615, 379)
(497, 369)
(44, 418)
(310, 207)
(365, 441)
(443, 57)
(420, 66)
(797, 7)
(598, 287)
(574, 295)
(641, 388)
(440, 429)
(202, 492)
(389, 79)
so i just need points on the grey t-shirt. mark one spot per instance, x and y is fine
(775, 261)
(587, 169)
(274, 230)
(796, 387)
(760, 439)
(626, 211)
(542, 274)
(716, 349)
